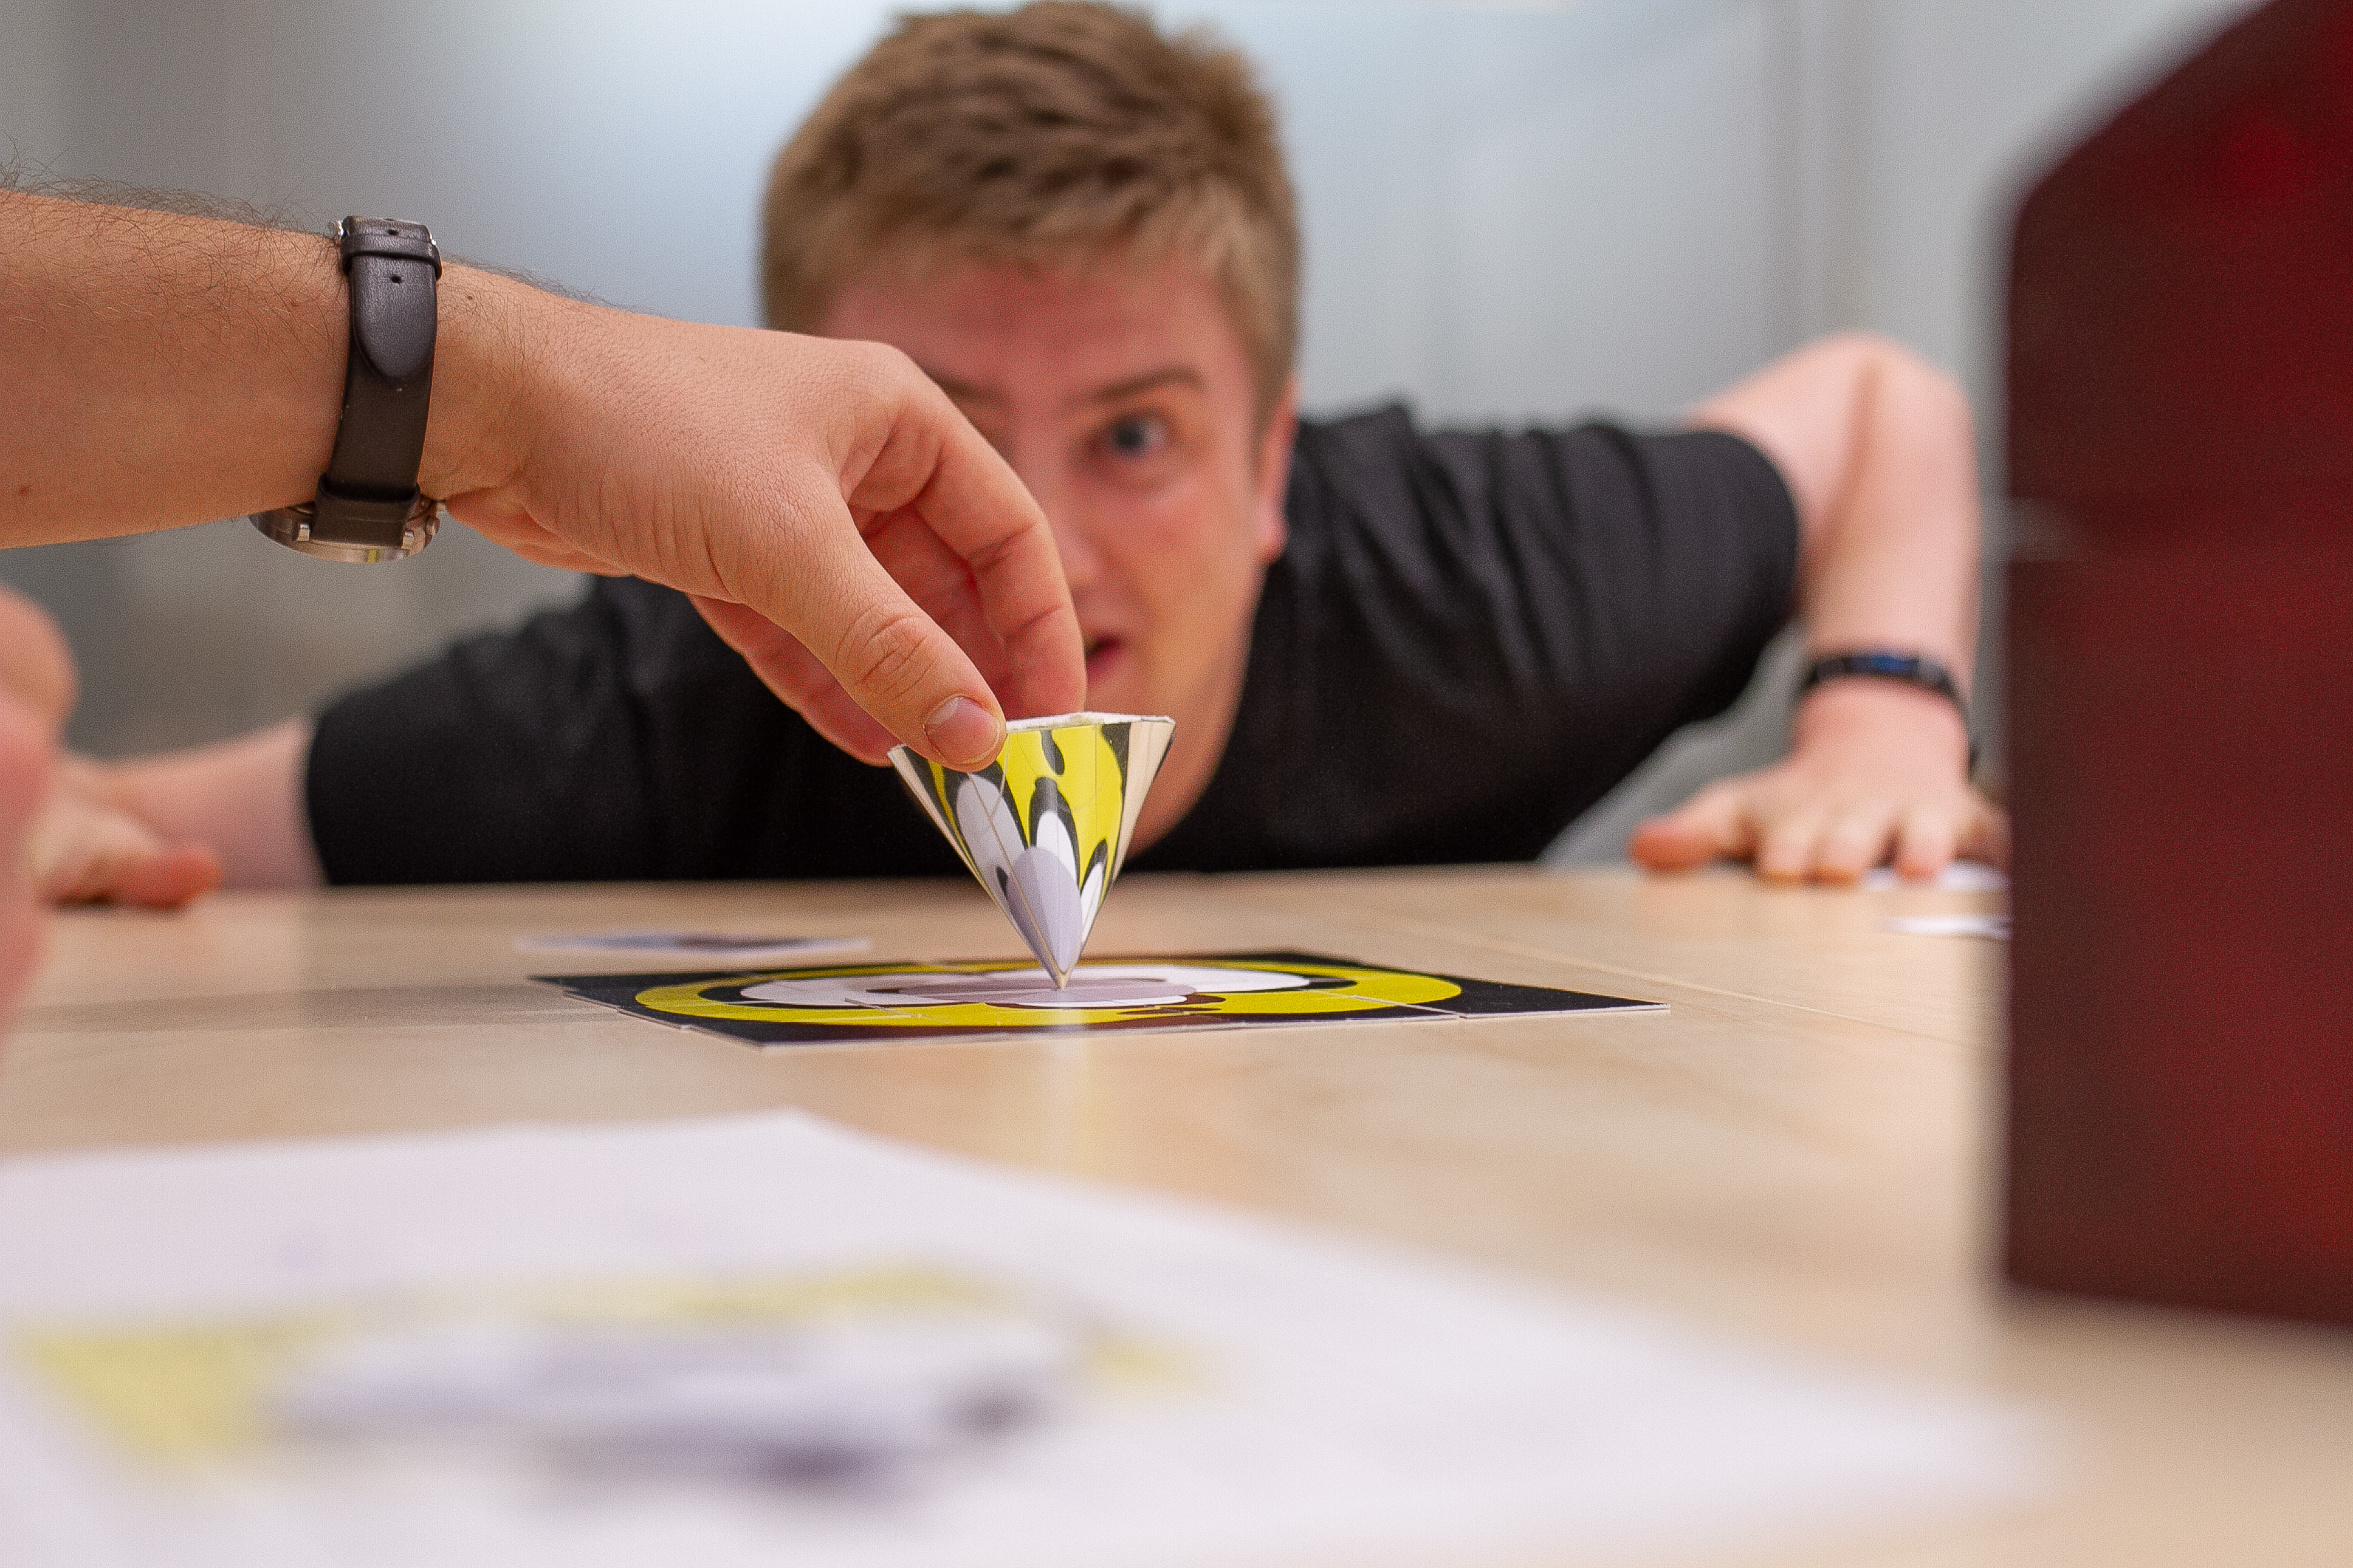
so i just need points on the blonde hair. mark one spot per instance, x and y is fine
(1063, 131)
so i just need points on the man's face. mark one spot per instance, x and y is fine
(1123, 399)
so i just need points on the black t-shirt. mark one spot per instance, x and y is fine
(1471, 638)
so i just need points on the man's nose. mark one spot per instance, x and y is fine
(1081, 566)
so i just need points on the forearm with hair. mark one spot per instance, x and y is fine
(163, 369)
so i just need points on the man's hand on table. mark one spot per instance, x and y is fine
(89, 846)
(1876, 448)
(1876, 774)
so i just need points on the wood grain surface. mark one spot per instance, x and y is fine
(1801, 1149)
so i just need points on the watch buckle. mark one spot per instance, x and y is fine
(292, 526)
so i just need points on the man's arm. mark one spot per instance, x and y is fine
(1876, 448)
(823, 501)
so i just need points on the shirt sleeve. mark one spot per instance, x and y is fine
(1636, 576)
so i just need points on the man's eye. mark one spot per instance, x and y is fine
(1137, 436)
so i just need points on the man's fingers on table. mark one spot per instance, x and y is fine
(128, 870)
(1788, 844)
(1852, 840)
(164, 880)
(1986, 835)
(1926, 843)
(1713, 824)
(84, 847)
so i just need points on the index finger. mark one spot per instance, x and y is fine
(967, 495)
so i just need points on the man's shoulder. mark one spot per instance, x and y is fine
(1381, 466)
(1386, 444)
(1352, 470)
(1388, 423)
(1380, 473)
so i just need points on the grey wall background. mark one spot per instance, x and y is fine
(1515, 211)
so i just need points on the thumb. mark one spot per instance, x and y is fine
(1711, 825)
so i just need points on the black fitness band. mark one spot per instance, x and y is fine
(1909, 669)
(368, 507)
(1906, 668)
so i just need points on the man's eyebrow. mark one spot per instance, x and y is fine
(961, 390)
(1179, 374)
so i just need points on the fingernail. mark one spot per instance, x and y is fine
(965, 734)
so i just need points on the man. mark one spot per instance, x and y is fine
(1378, 646)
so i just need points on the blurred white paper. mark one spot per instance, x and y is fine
(1959, 877)
(769, 1339)
(1993, 927)
(720, 947)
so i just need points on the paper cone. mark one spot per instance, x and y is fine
(1044, 827)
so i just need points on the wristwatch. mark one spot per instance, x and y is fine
(368, 507)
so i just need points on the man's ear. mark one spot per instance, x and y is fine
(1272, 531)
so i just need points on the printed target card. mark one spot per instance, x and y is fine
(851, 1003)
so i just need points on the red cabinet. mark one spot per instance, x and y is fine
(2180, 668)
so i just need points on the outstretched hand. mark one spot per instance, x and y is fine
(90, 847)
(36, 689)
(67, 837)
(1876, 774)
(833, 516)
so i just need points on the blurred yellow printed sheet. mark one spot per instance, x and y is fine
(768, 1338)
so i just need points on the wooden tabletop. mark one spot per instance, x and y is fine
(1802, 1149)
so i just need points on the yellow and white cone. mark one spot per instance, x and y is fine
(1046, 827)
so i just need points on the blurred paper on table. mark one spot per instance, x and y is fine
(724, 946)
(1960, 876)
(1994, 927)
(767, 1338)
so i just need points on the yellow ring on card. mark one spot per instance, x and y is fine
(1316, 989)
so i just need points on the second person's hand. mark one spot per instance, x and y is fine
(1877, 775)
